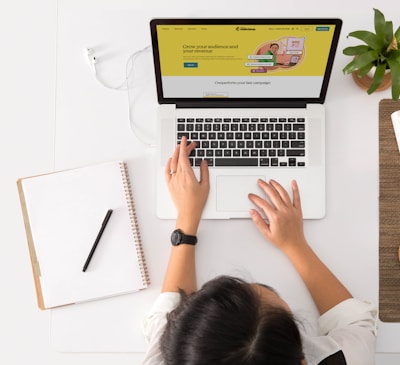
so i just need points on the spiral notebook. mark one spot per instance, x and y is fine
(63, 212)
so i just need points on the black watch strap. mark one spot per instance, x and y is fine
(179, 238)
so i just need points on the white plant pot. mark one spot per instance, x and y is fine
(371, 72)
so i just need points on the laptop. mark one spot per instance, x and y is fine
(250, 93)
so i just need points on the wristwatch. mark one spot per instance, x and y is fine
(179, 238)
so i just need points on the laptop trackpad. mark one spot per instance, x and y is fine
(232, 192)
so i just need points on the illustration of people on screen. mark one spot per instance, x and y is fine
(273, 51)
(285, 52)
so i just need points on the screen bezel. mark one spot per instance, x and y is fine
(242, 102)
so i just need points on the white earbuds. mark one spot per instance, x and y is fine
(89, 53)
(92, 63)
(91, 59)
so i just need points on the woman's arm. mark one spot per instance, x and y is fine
(284, 229)
(189, 196)
(326, 290)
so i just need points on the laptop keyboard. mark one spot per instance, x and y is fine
(273, 142)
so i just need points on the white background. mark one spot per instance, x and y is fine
(45, 82)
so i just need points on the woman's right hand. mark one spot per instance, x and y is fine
(284, 225)
(188, 194)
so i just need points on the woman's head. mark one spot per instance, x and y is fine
(274, 47)
(229, 321)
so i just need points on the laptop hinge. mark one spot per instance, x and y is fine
(242, 104)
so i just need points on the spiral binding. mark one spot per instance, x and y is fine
(134, 224)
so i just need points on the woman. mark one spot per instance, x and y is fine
(229, 321)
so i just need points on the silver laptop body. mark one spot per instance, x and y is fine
(232, 85)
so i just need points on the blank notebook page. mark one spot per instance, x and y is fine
(66, 210)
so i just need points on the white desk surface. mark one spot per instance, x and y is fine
(54, 115)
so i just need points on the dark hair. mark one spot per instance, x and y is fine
(226, 322)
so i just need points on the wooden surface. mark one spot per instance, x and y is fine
(389, 215)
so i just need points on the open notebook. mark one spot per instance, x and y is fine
(63, 212)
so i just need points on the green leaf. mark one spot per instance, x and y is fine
(369, 38)
(364, 70)
(397, 34)
(378, 77)
(380, 24)
(395, 73)
(388, 32)
(355, 51)
(361, 61)
(395, 56)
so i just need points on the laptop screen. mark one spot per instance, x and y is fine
(243, 59)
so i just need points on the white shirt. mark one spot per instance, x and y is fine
(350, 326)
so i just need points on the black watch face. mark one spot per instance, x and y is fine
(176, 237)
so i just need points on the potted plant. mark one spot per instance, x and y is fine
(381, 53)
